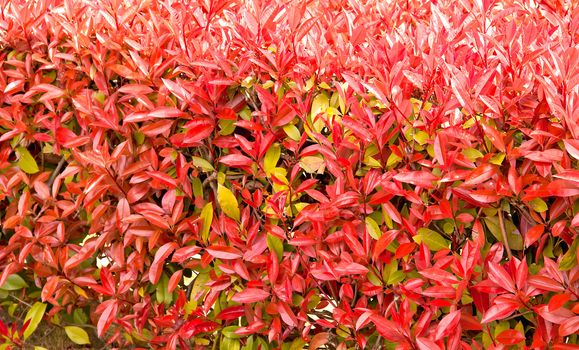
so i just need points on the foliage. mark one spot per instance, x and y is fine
(290, 174)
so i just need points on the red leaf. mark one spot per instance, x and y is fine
(405, 249)
(426, 344)
(197, 130)
(160, 256)
(185, 253)
(558, 301)
(545, 283)
(107, 318)
(533, 235)
(571, 326)
(388, 329)
(69, 139)
(107, 280)
(572, 147)
(250, 295)
(49, 288)
(423, 179)
(236, 160)
(447, 325)
(500, 277)
(439, 275)
(510, 337)
(165, 112)
(163, 178)
(157, 128)
(319, 340)
(174, 280)
(231, 313)
(480, 174)
(384, 242)
(287, 314)
(224, 252)
(440, 292)
(562, 188)
(495, 137)
(498, 312)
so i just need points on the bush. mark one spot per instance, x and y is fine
(263, 174)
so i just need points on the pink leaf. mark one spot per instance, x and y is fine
(250, 295)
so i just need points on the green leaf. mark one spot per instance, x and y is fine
(421, 137)
(203, 164)
(275, 245)
(396, 277)
(227, 126)
(432, 239)
(229, 332)
(569, 260)
(162, 290)
(35, 315)
(230, 344)
(207, 218)
(77, 335)
(271, 158)
(139, 137)
(538, 205)
(26, 162)
(373, 228)
(228, 202)
(515, 240)
(199, 285)
(472, 154)
(14, 282)
(298, 344)
(292, 132)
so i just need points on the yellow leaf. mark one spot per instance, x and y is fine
(373, 228)
(319, 105)
(498, 158)
(271, 158)
(207, 218)
(281, 183)
(26, 162)
(228, 202)
(393, 159)
(34, 314)
(77, 335)
(310, 83)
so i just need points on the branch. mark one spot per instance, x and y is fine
(55, 172)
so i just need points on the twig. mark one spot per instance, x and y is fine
(55, 172)
(20, 300)
(504, 234)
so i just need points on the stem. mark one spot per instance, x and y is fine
(20, 300)
(504, 234)
(55, 172)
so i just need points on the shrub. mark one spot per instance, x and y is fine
(263, 174)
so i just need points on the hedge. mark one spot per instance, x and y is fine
(338, 174)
